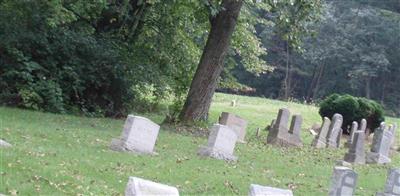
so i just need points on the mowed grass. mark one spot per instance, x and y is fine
(70, 155)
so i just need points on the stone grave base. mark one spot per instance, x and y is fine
(122, 146)
(316, 143)
(288, 141)
(377, 158)
(209, 152)
(353, 158)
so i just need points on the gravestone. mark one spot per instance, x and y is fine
(356, 152)
(280, 135)
(335, 131)
(4, 144)
(380, 148)
(343, 182)
(221, 143)
(393, 145)
(392, 186)
(354, 128)
(236, 123)
(139, 135)
(141, 187)
(258, 190)
(321, 141)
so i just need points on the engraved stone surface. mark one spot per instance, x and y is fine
(380, 145)
(356, 152)
(141, 187)
(343, 182)
(335, 131)
(354, 128)
(392, 186)
(258, 190)
(321, 141)
(221, 143)
(236, 123)
(280, 135)
(139, 135)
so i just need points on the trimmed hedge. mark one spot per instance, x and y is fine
(353, 109)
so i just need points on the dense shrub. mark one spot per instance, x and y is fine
(352, 109)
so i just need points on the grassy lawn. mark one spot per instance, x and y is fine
(62, 154)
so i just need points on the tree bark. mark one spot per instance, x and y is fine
(368, 87)
(211, 64)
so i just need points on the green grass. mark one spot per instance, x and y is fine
(62, 154)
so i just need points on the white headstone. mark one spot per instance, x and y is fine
(141, 187)
(4, 144)
(139, 135)
(258, 190)
(221, 143)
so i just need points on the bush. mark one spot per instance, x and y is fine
(352, 109)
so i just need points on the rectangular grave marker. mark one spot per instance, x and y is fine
(393, 182)
(236, 123)
(141, 187)
(343, 183)
(221, 143)
(321, 141)
(335, 131)
(356, 152)
(380, 145)
(258, 190)
(280, 135)
(139, 135)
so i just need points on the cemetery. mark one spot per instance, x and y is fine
(135, 156)
(200, 97)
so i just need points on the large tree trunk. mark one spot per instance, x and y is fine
(286, 85)
(211, 63)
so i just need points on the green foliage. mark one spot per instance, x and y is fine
(352, 109)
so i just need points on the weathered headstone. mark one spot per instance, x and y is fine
(354, 128)
(141, 187)
(392, 186)
(221, 143)
(236, 123)
(356, 152)
(320, 141)
(343, 182)
(280, 135)
(380, 145)
(335, 131)
(393, 145)
(139, 135)
(258, 190)
(4, 144)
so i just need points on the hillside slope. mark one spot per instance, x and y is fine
(62, 154)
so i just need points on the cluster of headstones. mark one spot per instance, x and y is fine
(141, 187)
(343, 183)
(281, 135)
(383, 142)
(140, 134)
(330, 134)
